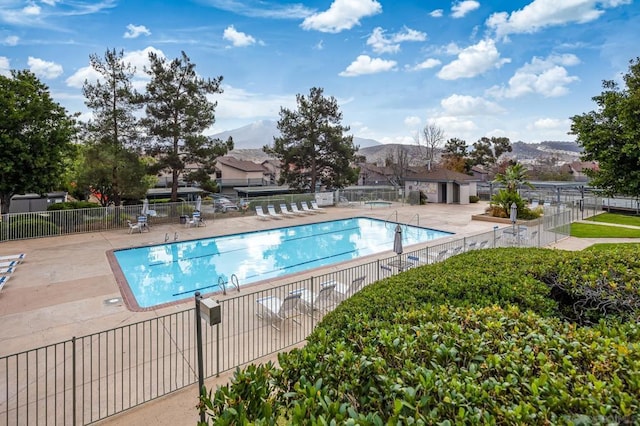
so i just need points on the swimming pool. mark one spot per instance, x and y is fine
(168, 273)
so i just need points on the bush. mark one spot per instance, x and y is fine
(32, 228)
(73, 205)
(497, 336)
(474, 198)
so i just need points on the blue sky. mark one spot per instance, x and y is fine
(514, 68)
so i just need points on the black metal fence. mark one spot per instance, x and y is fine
(86, 379)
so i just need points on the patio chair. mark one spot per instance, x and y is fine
(386, 270)
(144, 223)
(196, 220)
(344, 290)
(272, 212)
(314, 207)
(276, 309)
(261, 214)
(316, 302)
(3, 281)
(430, 257)
(8, 264)
(294, 208)
(306, 209)
(285, 211)
(19, 257)
(7, 271)
(134, 227)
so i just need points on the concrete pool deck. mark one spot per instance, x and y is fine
(65, 286)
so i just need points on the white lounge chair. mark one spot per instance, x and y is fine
(294, 209)
(261, 214)
(7, 271)
(431, 257)
(8, 264)
(316, 302)
(483, 244)
(285, 211)
(306, 209)
(272, 212)
(3, 281)
(19, 257)
(344, 290)
(314, 206)
(275, 309)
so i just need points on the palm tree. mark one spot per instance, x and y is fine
(513, 177)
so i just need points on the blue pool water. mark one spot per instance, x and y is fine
(172, 272)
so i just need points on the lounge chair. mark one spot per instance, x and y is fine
(345, 290)
(316, 302)
(294, 209)
(483, 244)
(273, 308)
(134, 227)
(534, 204)
(315, 208)
(472, 245)
(19, 257)
(272, 212)
(8, 264)
(431, 257)
(3, 281)
(386, 270)
(7, 271)
(261, 214)
(306, 209)
(285, 211)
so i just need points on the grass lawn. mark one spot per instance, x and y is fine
(586, 230)
(608, 246)
(622, 219)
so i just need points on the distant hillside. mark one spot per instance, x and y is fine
(564, 151)
(261, 133)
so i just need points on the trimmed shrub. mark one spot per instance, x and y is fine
(32, 228)
(73, 205)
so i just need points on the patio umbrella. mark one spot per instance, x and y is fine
(514, 213)
(198, 203)
(145, 207)
(397, 241)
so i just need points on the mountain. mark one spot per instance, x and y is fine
(261, 133)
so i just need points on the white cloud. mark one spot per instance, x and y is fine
(341, 15)
(436, 13)
(135, 31)
(550, 129)
(236, 103)
(546, 77)
(473, 60)
(237, 38)
(32, 9)
(426, 64)
(391, 44)
(5, 66)
(549, 124)
(463, 105)
(136, 58)
(11, 40)
(412, 121)
(44, 69)
(364, 64)
(540, 14)
(460, 9)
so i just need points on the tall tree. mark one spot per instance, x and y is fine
(398, 161)
(312, 147)
(113, 132)
(432, 139)
(36, 136)
(610, 135)
(454, 155)
(177, 112)
(486, 151)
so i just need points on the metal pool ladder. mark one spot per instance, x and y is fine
(233, 281)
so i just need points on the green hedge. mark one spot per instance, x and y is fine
(500, 336)
(73, 205)
(30, 228)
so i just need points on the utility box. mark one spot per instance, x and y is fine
(210, 311)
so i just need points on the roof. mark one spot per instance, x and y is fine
(243, 165)
(438, 175)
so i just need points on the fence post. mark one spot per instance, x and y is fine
(313, 325)
(73, 378)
